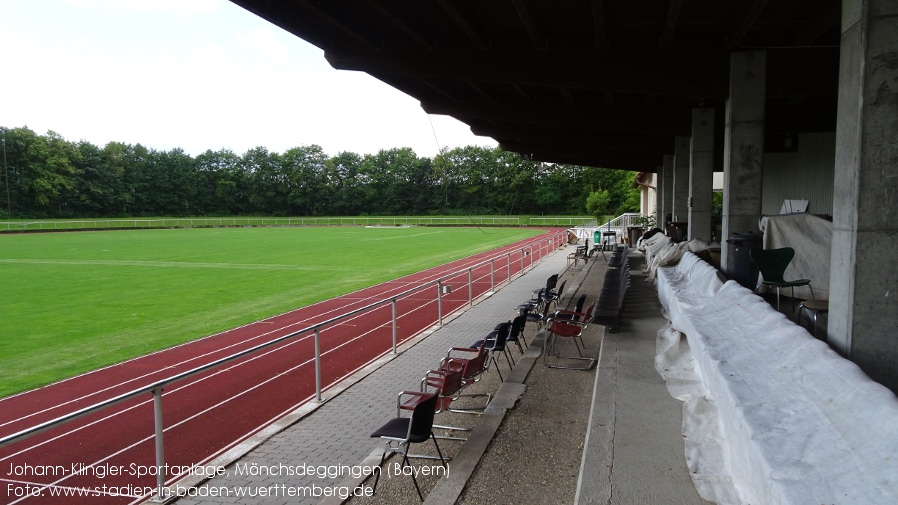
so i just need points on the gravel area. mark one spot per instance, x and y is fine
(535, 456)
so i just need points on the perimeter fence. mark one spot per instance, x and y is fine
(222, 222)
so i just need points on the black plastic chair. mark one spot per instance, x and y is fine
(534, 304)
(539, 318)
(553, 296)
(401, 432)
(568, 315)
(516, 334)
(551, 282)
(495, 342)
(772, 264)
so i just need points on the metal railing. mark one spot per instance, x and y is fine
(543, 246)
(617, 227)
(95, 224)
(563, 221)
(620, 223)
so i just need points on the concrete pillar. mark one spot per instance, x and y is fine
(743, 148)
(701, 173)
(667, 185)
(863, 317)
(681, 179)
(659, 197)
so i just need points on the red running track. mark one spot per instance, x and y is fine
(211, 412)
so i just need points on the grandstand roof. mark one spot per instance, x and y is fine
(592, 82)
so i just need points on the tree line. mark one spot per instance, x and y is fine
(47, 176)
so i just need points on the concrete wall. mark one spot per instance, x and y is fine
(803, 175)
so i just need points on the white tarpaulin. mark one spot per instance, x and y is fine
(811, 237)
(661, 251)
(797, 423)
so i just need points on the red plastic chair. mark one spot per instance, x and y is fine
(568, 324)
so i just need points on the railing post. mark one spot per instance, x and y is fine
(508, 279)
(318, 364)
(492, 274)
(470, 288)
(440, 301)
(160, 444)
(394, 326)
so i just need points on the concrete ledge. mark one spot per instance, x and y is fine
(465, 462)
(447, 491)
(594, 482)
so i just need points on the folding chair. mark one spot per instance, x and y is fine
(572, 328)
(401, 432)
(447, 385)
(472, 363)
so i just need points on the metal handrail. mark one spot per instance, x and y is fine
(620, 223)
(157, 387)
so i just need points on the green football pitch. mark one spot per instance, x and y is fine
(73, 302)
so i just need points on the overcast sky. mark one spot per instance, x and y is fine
(195, 74)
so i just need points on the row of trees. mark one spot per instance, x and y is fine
(46, 176)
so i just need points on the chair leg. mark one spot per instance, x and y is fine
(377, 477)
(404, 462)
(442, 460)
(493, 357)
(475, 411)
(579, 352)
(549, 347)
(509, 358)
(450, 428)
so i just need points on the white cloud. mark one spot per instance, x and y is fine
(181, 8)
(262, 40)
